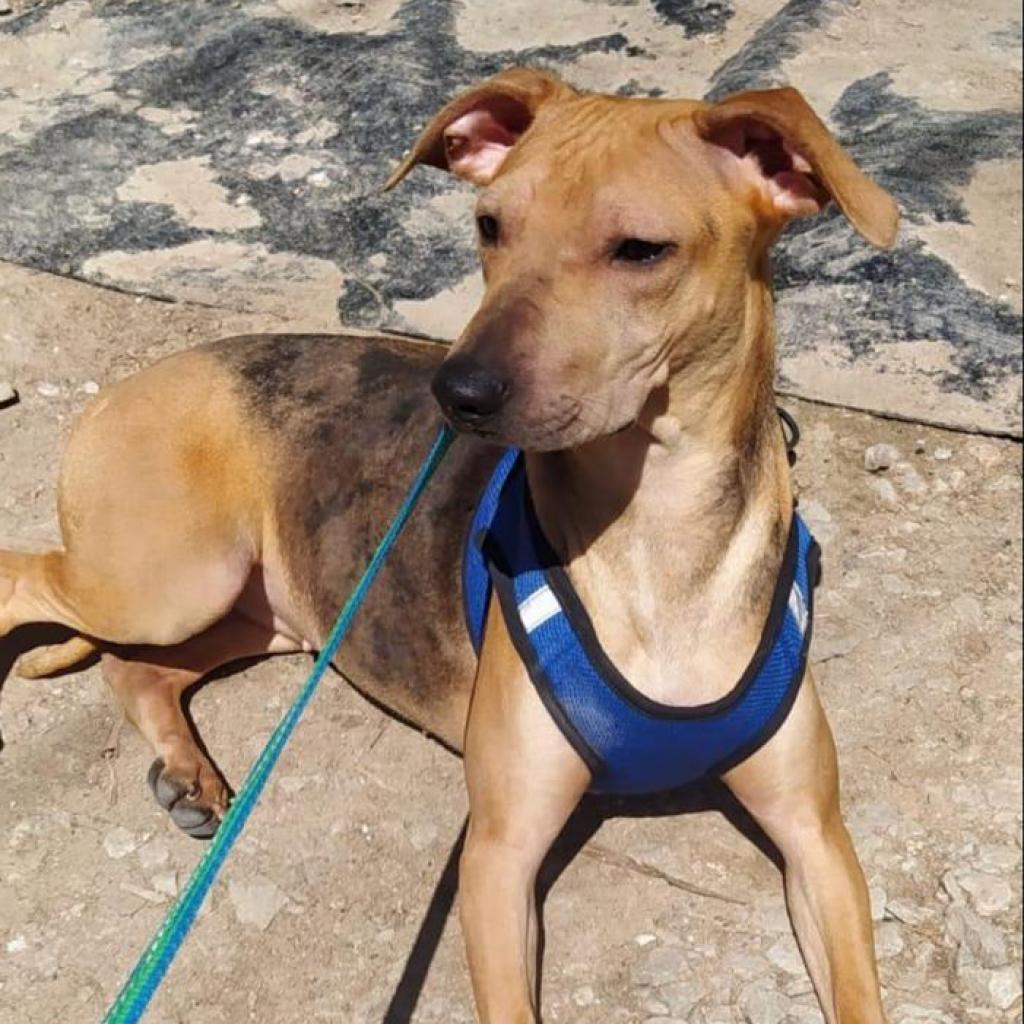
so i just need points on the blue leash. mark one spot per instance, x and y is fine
(155, 960)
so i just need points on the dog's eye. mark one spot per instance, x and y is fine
(636, 250)
(488, 228)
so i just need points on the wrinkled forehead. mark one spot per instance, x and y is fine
(604, 156)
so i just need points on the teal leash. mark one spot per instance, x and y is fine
(155, 960)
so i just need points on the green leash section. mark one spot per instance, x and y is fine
(144, 980)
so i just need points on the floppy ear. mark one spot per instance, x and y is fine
(776, 141)
(472, 135)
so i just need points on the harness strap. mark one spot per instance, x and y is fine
(790, 433)
(631, 743)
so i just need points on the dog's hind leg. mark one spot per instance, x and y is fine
(149, 683)
(161, 508)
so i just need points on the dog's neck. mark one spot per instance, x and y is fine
(680, 520)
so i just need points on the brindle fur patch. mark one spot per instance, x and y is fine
(348, 421)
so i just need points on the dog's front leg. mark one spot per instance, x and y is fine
(791, 787)
(524, 779)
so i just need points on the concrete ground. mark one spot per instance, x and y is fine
(917, 654)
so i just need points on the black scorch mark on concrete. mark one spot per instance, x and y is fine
(57, 192)
(255, 84)
(757, 64)
(924, 157)
(695, 17)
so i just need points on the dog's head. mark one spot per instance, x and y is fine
(619, 238)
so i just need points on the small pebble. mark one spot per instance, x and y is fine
(879, 457)
(654, 1006)
(798, 987)
(8, 394)
(908, 1013)
(997, 859)
(982, 940)
(885, 492)
(762, 1003)
(989, 895)
(660, 966)
(166, 882)
(910, 480)
(90, 387)
(888, 940)
(256, 901)
(149, 895)
(422, 835)
(920, 446)
(154, 855)
(1004, 987)
(681, 997)
(47, 390)
(45, 964)
(907, 912)
(119, 842)
(943, 454)
(786, 956)
(584, 996)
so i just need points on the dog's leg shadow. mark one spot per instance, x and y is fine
(30, 637)
(428, 938)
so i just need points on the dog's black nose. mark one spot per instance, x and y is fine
(468, 393)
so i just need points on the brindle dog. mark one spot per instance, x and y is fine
(220, 504)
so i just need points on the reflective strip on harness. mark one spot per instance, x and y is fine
(798, 607)
(536, 609)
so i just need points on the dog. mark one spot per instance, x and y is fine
(619, 374)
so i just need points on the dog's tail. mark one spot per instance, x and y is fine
(48, 661)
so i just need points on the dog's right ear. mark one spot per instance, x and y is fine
(472, 135)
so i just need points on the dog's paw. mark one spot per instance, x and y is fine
(189, 807)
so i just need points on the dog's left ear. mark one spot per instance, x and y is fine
(472, 135)
(775, 141)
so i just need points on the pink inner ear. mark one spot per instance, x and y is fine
(477, 143)
(765, 158)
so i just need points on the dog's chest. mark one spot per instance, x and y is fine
(634, 738)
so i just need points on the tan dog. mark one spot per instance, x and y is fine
(220, 504)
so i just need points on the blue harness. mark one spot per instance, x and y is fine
(631, 743)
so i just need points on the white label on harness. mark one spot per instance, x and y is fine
(798, 607)
(536, 609)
